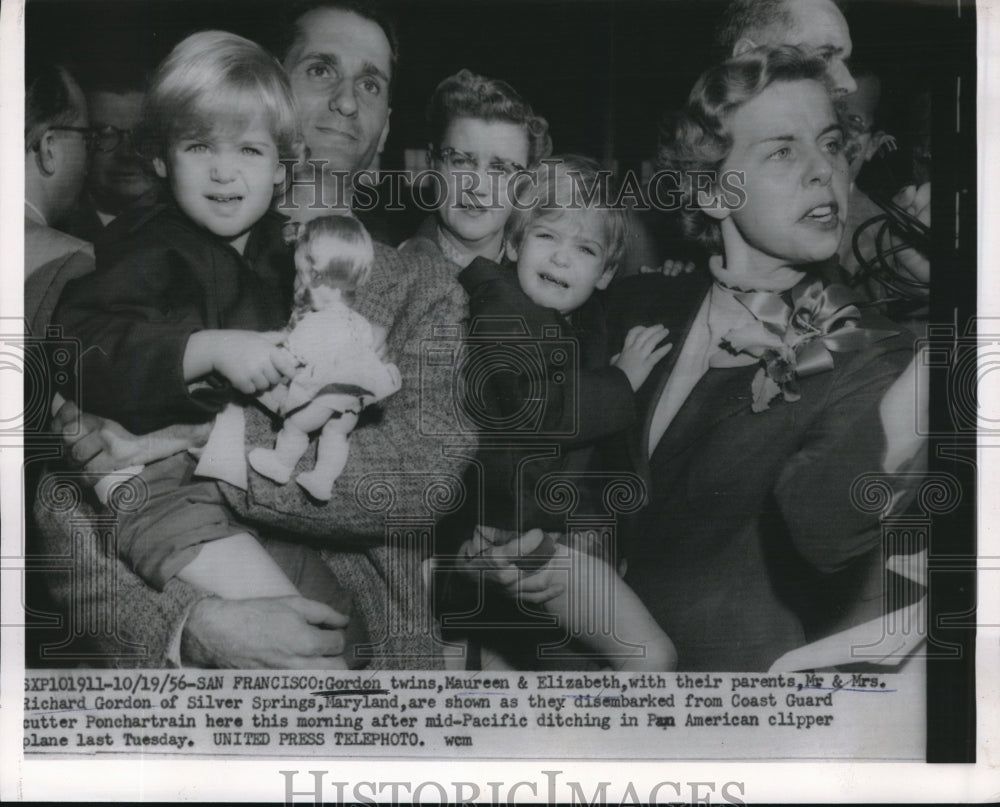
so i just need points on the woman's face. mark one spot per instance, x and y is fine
(476, 158)
(788, 146)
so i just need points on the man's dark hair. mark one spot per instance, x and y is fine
(48, 100)
(367, 9)
(749, 18)
(113, 76)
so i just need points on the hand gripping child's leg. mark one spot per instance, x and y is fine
(292, 441)
(331, 457)
(603, 613)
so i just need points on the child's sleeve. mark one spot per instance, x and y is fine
(579, 404)
(133, 319)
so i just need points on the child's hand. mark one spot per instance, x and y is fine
(251, 361)
(640, 353)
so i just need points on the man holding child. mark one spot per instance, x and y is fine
(340, 62)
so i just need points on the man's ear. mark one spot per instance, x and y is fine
(47, 157)
(511, 251)
(160, 167)
(743, 44)
(606, 277)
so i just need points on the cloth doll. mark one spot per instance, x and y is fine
(341, 370)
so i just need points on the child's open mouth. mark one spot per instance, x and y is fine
(553, 280)
(224, 198)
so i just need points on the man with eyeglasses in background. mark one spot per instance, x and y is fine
(115, 176)
(56, 138)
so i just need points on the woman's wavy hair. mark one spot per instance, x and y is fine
(217, 80)
(696, 139)
(467, 95)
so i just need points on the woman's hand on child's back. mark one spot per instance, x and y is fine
(641, 352)
(251, 361)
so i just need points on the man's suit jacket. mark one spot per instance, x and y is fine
(749, 545)
(51, 259)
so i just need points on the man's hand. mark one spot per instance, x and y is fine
(99, 446)
(277, 633)
(497, 564)
(916, 202)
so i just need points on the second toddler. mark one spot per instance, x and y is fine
(565, 249)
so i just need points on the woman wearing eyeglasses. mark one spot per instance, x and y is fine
(482, 133)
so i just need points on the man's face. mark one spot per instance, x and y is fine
(858, 111)
(788, 144)
(340, 67)
(820, 28)
(70, 154)
(116, 178)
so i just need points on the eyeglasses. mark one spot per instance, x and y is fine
(108, 138)
(462, 161)
(86, 131)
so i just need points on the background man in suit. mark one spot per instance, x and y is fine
(115, 176)
(56, 134)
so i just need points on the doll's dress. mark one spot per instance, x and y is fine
(336, 347)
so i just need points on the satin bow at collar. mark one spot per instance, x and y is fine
(793, 341)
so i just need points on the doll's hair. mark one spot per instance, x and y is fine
(345, 261)
(565, 185)
(696, 140)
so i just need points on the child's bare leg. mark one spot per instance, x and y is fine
(279, 462)
(331, 457)
(601, 611)
(237, 568)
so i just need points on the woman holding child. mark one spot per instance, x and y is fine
(773, 400)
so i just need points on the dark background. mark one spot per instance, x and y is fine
(601, 71)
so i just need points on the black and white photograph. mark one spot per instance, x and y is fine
(557, 384)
